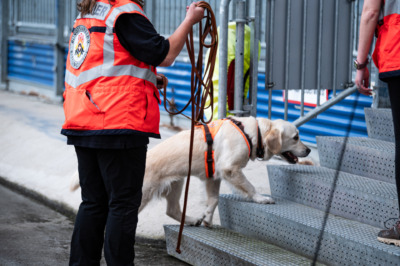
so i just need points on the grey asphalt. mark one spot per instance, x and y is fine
(34, 234)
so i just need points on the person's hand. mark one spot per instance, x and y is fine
(194, 13)
(362, 81)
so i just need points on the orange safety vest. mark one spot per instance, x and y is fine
(107, 90)
(210, 131)
(386, 55)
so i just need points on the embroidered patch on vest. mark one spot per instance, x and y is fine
(79, 47)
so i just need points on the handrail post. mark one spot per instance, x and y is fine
(239, 57)
(223, 56)
(255, 15)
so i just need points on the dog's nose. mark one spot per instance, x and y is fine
(308, 151)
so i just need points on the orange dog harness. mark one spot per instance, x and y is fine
(210, 131)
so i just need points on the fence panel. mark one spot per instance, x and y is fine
(33, 17)
(166, 16)
(309, 44)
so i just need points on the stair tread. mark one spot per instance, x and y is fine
(379, 123)
(360, 233)
(356, 182)
(248, 249)
(375, 144)
(361, 156)
(351, 196)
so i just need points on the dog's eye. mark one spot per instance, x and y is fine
(296, 138)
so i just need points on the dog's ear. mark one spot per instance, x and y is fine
(274, 141)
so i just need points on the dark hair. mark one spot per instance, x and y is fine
(86, 6)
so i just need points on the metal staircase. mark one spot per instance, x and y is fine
(329, 214)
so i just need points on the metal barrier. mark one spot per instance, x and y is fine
(310, 43)
(40, 18)
(309, 48)
(313, 50)
(34, 38)
(33, 17)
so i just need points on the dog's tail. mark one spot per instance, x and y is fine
(74, 183)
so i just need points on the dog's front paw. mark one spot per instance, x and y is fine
(263, 199)
(306, 162)
(193, 221)
(207, 222)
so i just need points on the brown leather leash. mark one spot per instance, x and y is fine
(198, 96)
(201, 88)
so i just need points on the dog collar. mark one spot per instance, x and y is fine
(260, 147)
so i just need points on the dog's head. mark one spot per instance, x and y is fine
(282, 138)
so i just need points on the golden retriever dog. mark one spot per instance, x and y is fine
(167, 163)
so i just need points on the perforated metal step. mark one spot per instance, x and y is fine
(301, 229)
(218, 246)
(379, 123)
(355, 197)
(361, 156)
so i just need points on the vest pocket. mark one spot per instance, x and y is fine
(81, 111)
(152, 108)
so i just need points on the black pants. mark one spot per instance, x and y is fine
(111, 181)
(394, 93)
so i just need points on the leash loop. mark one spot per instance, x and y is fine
(201, 85)
(201, 88)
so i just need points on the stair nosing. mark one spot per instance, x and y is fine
(379, 185)
(231, 250)
(371, 230)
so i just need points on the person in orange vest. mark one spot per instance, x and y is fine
(111, 109)
(383, 18)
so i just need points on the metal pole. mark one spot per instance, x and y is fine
(4, 43)
(320, 18)
(335, 47)
(233, 11)
(223, 58)
(287, 58)
(351, 46)
(239, 57)
(59, 50)
(255, 13)
(303, 57)
(268, 53)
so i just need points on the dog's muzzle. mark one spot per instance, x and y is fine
(291, 158)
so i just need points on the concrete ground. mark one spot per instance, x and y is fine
(35, 158)
(34, 234)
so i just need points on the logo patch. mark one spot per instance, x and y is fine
(79, 46)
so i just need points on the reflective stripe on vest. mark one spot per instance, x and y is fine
(112, 71)
(108, 69)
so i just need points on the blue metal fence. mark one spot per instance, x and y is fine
(34, 62)
(31, 62)
(344, 119)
